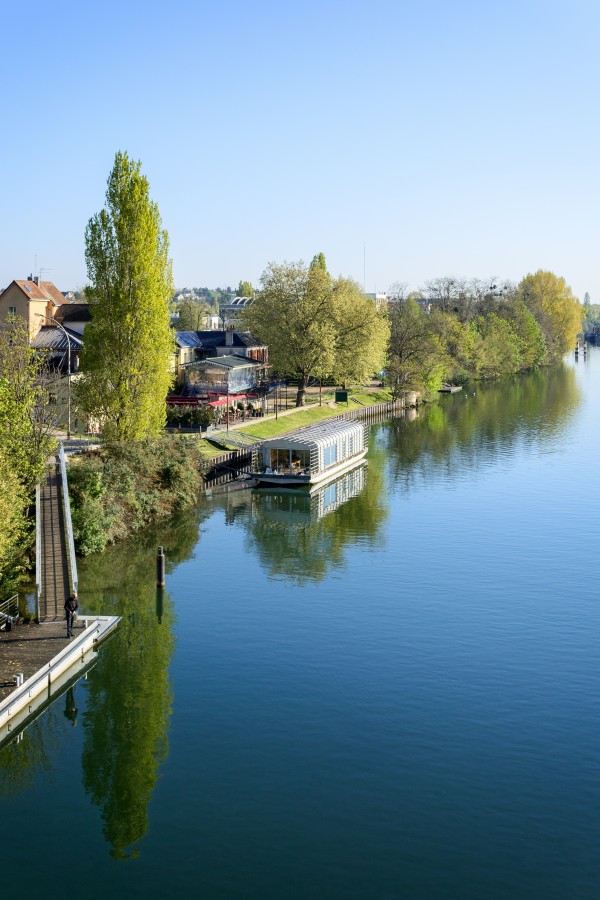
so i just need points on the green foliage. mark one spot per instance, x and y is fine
(414, 360)
(558, 313)
(314, 325)
(126, 358)
(192, 315)
(190, 416)
(479, 330)
(361, 334)
(25, 411)
(245, 289)
(14, 531)
(121, 488)
(25, 443)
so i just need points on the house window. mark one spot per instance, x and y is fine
(12, 311)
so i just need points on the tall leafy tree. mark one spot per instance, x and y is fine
(558, 312)
(316, 326)
(13, 501)
(128, 344)
(26, 415)
(415, 360)
(245, 289)
(293, 314)
(361, 333)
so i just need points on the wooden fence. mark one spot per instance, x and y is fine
(228, 466)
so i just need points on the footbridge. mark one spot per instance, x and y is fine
(56, 566)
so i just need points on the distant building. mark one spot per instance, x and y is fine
(194, 346)
(32, 300)
(381, 300)
(230, 311)
(44, 308)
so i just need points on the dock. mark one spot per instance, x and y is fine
(45, 659)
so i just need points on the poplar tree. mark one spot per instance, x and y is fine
(558, 313)
(127, 355)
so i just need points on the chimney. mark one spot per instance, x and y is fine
(229, 337)
(36, 280)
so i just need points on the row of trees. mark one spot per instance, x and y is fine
(456, 330)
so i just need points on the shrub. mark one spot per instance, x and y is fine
(121, 488)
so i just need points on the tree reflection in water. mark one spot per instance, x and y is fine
(130, 696)
(479, 423)
(301, 537)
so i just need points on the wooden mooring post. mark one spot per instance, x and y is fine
(160, 568)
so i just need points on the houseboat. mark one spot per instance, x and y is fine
(312, 455)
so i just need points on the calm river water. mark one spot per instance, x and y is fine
(389, 691)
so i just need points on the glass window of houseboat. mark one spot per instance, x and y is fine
(300, 460)
(329, 456)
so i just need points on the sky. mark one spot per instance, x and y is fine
(405, 140)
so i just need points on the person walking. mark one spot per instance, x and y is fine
(71, 607)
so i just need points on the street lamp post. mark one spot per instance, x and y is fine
(66, 334)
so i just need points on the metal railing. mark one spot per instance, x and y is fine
(39, 575)
(9, 611)
(72, 562)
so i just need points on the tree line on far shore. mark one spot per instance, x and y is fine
(455, 330)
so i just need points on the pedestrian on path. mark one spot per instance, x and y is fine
(71, 607)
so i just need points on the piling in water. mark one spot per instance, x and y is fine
(160, 568)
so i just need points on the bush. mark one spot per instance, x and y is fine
(190, 416)
(121, 488)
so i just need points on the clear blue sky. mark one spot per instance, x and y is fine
(448, 137)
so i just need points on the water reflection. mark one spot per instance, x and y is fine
(482, 423)
(130, 695)
(301, 507)
(302, 536)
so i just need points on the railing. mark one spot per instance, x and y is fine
(39, 575)
(72, 562)
(6, 616)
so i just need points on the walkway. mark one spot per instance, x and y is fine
(55, 573)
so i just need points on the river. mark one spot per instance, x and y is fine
(391, 690)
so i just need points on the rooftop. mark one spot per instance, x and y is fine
(49, 337)
(45, 290)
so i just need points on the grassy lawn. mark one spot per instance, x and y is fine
(307, 415)
(304, 416)
(314, 413)
(371, 397)
(203, 448)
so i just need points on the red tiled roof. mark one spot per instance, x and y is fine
(54, 292)
(45, 290)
